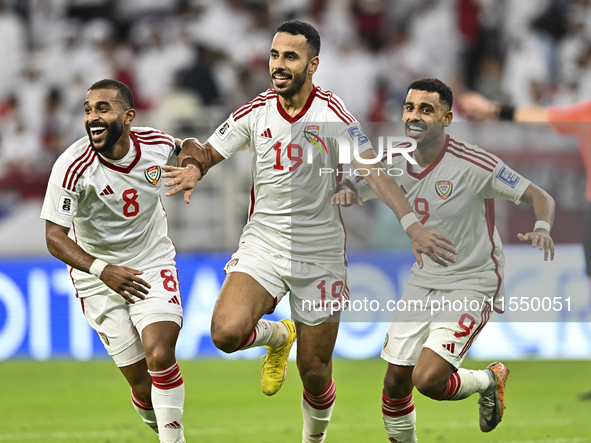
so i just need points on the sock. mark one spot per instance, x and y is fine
(400, 419)
(146, 411)
(168, 398)
(266, 333)
(317, 410)
(465, 382)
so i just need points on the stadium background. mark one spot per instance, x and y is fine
(192, 62)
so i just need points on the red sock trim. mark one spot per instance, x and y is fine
(248, 341)
(140, 404)
(453, 386)
(397, 407)
(168, 378)
(324, 400)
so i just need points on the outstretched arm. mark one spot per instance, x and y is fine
(123, 280)
(423, 240)
(195, 159)
(544, 207)
(480, 108)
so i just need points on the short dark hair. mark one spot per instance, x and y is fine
(434, 85)
(123, 90)
(296, 27)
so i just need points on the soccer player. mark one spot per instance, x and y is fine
(452, 189)
(573, 120)
(294, 239)
(105, 220)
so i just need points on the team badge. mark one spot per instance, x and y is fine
(311, 134)
(386, 341)
(104, 338)
(444, 189)
(232, 263)
(153, 174)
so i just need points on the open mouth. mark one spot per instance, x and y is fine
(281, 79)
(415, 129)
(97, 131)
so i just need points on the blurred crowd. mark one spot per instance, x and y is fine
(190, 62)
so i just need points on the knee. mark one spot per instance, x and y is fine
(315, 376)
(398, 381)
(227, 338)
(160, 358)
(429, 385)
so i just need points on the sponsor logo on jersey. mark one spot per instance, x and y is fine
(107, 191)
(104, 338)
(224, 130)
(311, 135)
(266, 133)
(509, 177)
(356, 133)
(386, 340)
(451, 347)
(153, 174)
(444, 189)
(65, 205)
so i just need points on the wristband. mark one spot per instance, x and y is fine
(507, 112)
(542, 224)
(408, 220)
(96, 268)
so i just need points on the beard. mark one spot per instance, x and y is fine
(114, 132)
(296, 84)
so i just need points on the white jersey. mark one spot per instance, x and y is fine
(113, 207)
(454, 196)
(290, 211)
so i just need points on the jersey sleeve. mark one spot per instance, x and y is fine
(60, 203)
(232, 136)
(567, 119)
(504, 183)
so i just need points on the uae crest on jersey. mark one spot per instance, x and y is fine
(153, 174)
(104, 338)
(444, 189)
(311, 134)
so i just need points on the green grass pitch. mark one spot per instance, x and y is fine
(66, 401)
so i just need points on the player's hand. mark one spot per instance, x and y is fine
(346, 197)
(540, 238)
(477, 107)
(183, 179)
(430, 242)
(125, 282)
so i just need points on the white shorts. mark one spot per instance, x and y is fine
(119, 324)
(317, 290)
(411, 331)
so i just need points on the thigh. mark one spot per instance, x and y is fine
(451, 340)
(108, 314)
(408, 331)
(254, 282)
(163, 303)
(318, 291)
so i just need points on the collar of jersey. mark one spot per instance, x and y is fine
(125, 169)
(300, 114)
(432, 166)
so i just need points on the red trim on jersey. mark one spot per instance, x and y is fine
(335, 105)
(125, 170)
(345, 231)
(257, 102)
(252, 200)
(154, 138)
(484, 320)
(490, 222)
(453, 151)
(72, 174)
(483, 156)
(300, 114)
(423, 174)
